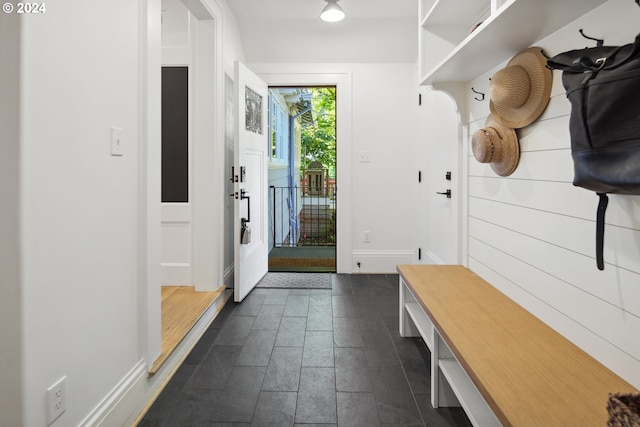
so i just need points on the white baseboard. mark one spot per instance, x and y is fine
(433, 258)
(381, 261)
(228, 276)
(116, 404)
(127, 402)
(176, 274)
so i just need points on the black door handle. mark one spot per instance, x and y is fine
(446, 193)
(243, 196)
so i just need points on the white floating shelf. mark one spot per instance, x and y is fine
(515, 25)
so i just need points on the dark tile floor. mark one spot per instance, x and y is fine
(300, 357)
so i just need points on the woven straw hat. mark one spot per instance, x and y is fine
(497, 145)
(520, 92)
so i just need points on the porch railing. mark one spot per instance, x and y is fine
(299, 218)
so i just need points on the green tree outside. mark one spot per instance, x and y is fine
(319, 140)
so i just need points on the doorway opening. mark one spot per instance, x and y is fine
(189, 291)
(302, 179)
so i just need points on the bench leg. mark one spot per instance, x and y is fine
(442, 395)
(407, 327)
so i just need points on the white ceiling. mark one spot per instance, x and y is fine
(291, 31)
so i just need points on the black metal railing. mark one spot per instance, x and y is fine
(299, 218)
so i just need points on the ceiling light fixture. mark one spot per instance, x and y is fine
(332, 12)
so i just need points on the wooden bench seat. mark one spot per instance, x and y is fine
(484, 346)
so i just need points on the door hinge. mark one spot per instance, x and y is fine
(419, 254)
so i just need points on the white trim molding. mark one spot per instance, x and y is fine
(228, 276)
(381, 261)
(115, 406)
(433, 258)
(134, 394)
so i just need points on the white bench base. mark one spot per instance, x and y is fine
(450, 384)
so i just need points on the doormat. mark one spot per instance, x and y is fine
(296, 281)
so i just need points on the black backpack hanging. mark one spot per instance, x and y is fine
(603, 87)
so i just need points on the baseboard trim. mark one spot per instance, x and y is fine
(380, 261)
(433, 258)
(114, 405)
(228, 276)
(176, 274)
(132, 397)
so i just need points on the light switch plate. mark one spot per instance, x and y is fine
(365, 156)
(117, 142)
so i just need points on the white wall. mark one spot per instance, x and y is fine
(79, 203)
(75, 269)
(233, 48)
(532, 234)
(383, 189)
(352, 40)
(376, 106)
(233, 51)
(291, 32)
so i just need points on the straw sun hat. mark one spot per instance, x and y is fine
(497, 145)
(520, 92)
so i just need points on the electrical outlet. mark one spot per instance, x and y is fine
(56, 400)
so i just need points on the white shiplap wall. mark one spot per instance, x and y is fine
(532, 234)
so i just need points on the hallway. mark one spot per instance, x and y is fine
(286, 357)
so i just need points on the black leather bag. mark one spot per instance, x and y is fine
(623, 410)
(603, 87)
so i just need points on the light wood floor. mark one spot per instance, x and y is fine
(182, 306)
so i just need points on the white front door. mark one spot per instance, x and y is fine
(250, 182)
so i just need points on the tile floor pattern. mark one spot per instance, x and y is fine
(306, 357)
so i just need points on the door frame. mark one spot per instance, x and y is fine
(208, 158)
(208, 255)
(301, 75)
(195, 216)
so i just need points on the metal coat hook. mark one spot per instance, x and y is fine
(599, 42)
(479, 93)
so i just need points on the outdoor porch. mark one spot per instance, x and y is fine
(303, 259)
(303, 229)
